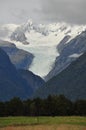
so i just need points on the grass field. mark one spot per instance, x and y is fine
(43, 123)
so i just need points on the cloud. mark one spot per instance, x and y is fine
(18, 11)
(43, 11)
(72, 11)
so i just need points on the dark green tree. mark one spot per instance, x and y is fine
(15, 107)
(27, 107)
(80, 108)
(2, 109)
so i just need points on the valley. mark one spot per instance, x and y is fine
(43, 42)
(42, 65)
(47, 51)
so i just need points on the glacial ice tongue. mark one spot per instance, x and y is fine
(44, 57)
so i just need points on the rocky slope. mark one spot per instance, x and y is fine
(11, 82)
(34, 81)
(71, 82)
(14, 82)
(70, 52)
(20, 58)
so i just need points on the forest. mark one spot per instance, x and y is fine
(51, 106)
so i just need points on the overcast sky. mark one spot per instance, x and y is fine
(43, 11)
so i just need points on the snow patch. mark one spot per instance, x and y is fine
(75, 55)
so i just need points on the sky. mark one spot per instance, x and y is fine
(43, 11)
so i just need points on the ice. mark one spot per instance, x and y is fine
(75, 55)
(44, 40)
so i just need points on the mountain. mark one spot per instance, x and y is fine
(11, 82)
(14, 82)
(34, 81)
(71, 82)
(68, 53)
(18, 35)
(52, 45)
(20, 58)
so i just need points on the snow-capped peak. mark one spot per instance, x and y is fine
(29, 22)
(45, 41)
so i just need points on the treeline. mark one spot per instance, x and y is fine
(51, 106)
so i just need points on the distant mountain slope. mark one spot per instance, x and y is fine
(35, 81)
(11, 82)
(20, 58)
(18, 35)
(71, 82)
(68, 52)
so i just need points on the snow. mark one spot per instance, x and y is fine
(75, 55)
(45, 56)
(43, 41)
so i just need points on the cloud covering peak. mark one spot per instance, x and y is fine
(72, 11)
(18, 11)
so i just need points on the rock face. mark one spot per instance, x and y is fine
(14, 82)
(34, 81)
(71, 82)
(20, 58)
(68, 53)
(11, 82)
(18, 35)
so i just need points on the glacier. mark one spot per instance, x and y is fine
(43, 41)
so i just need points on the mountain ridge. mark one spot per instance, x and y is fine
(71, 82)
(45, 42)
(11, 82)
(14, 82)
(20, 58)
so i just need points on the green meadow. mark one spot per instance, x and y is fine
(28, 121)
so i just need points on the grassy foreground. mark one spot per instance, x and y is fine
(31, 121)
